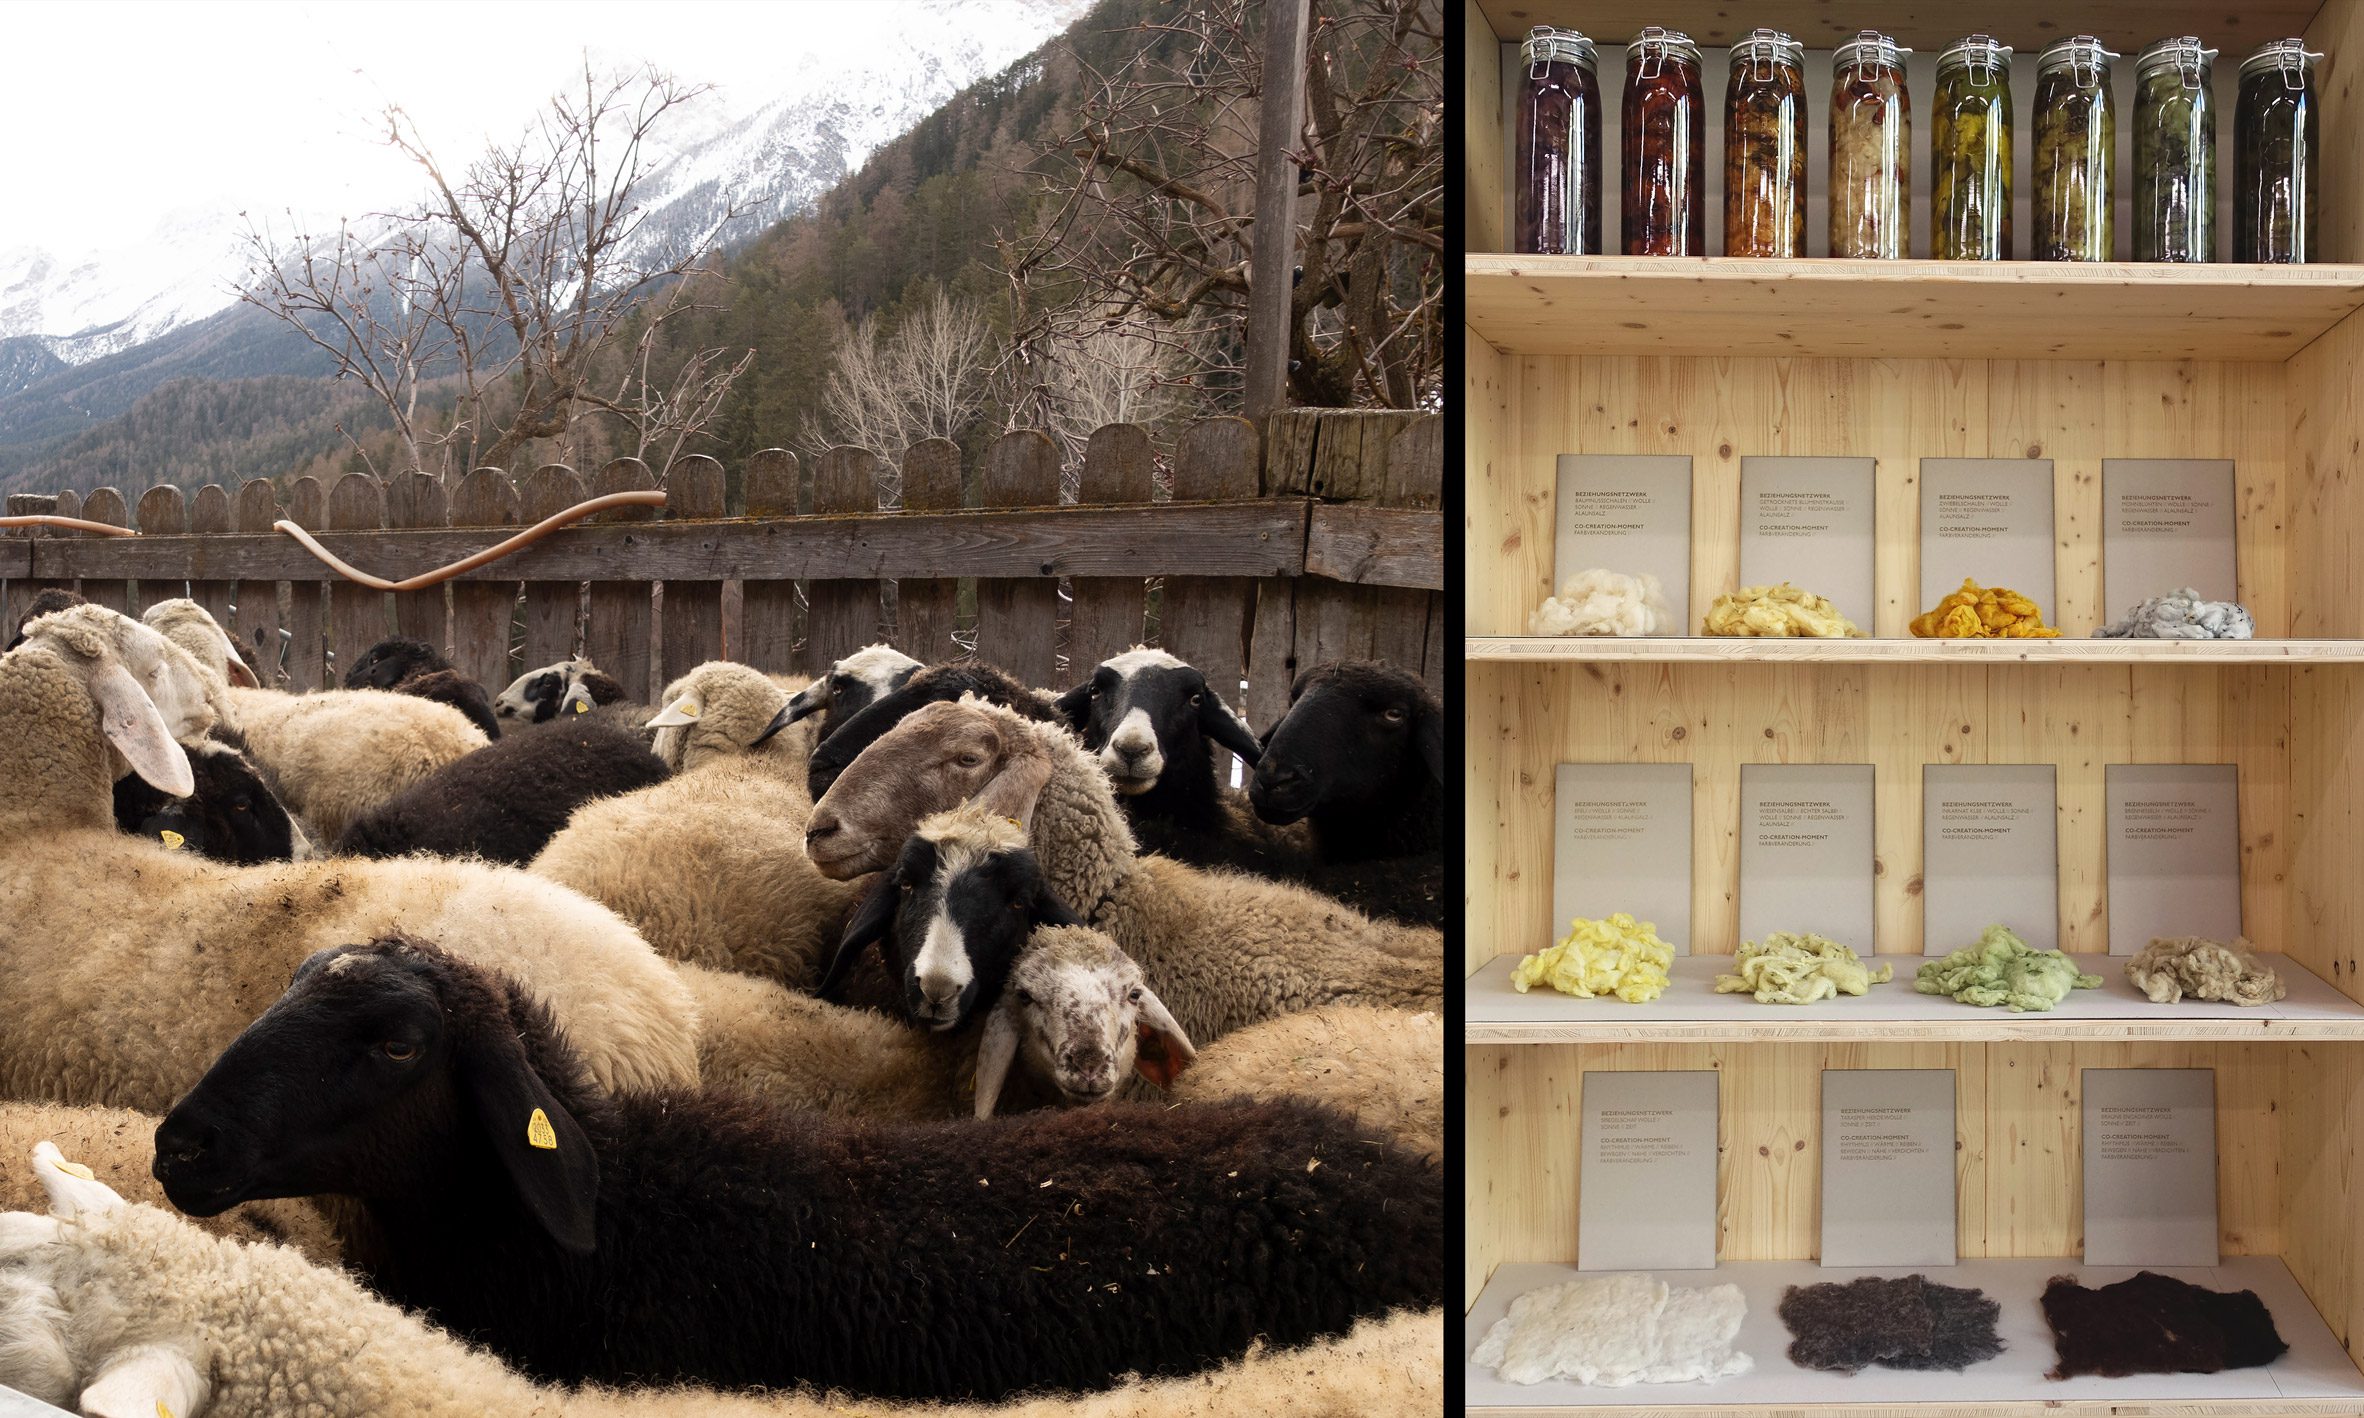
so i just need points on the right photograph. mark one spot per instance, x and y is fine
(1915, 708)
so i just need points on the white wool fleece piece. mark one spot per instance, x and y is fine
(1617, 1330)
(1601, 602)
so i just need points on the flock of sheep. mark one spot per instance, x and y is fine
(904, 1040)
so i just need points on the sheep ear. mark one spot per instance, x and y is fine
(681, 711)
(147, 1381)
(1432, 743)
(1217, 722)
(997, 1049)
(73, 1191)
(540, 1144)
(578, 700)
(1075, 705)
(240, 675)
(136, 727)
(788, 714)
(869, 924)
(1164, 1050)
(1049, 910)
(1012, 792)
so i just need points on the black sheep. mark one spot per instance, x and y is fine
(505, 801)
(665, 1237)
(933, 685)
(233, 816)
(56, 598)
(418, 669)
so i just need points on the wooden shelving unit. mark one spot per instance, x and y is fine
(1719, 360)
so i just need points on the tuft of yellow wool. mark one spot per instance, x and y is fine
(1779, 611)
(1983, 613)
(1615, 956)
(1798, 967)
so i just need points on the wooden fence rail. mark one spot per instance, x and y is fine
(1324, 543)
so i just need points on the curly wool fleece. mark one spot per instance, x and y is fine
(1983, 613)
(1617, 1330)
(2003, 969)
(2182, 615)
(1599, 602)
(2156, 1324)
(1778, 611)
(1904, 1323)
(1618, 955)
(2174, 966)
(1791, 967)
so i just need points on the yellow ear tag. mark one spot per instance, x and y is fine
(76, 1169)
(688, 707)
(161, 1410)
(582, 707)
(172, 840)
(539, 1133)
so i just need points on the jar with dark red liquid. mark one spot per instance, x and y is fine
(1665, 159)
(1558, 199)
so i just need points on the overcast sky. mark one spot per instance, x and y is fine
(120, 113)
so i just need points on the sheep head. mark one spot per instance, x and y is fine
(938, 757)
(148, 691)
(1356, 736)
(719, 709)
(1145, 710)
(938, 684)
(847, 688)
(1082, 1015)
(568, 687)
(192, 627)
(391, 661)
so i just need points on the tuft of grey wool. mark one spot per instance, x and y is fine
(2182, 615)
(1903, 1322)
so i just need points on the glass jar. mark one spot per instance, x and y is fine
(2274, 155)
(1665, 131)
(1765, 147)
(2174, 153)
(1970, 153)
(1871, 140)
(2076, 151)
(1558, 202)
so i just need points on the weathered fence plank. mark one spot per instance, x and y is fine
(307, 625)
(1413, 492)
(417, 500)
(1204, 619)
(1107, 612)
(162, 511)
(842, 615)
(358, 616)
(622, 615)
(927, 608)
(692, 630)
(767, 606)
(106, 505)
(1376, 546)
(209, 515)
(22, 587)
(258, 596)
(480, 610)
(1017, 621)
(551, 607)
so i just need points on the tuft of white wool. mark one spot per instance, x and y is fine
(1601, 602)
(1610, 1331)
(337, 754)
(124, 1306)
(1385, 1068)
(2182, 615)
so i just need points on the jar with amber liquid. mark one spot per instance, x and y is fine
(1871, 155)
(1970, 153)
(1765, 147)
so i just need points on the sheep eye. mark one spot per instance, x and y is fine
(1195, 700)
(1023, 997)
(971, 760)
(1134, 994)
(906, 888)
(1394, 715)
(398, 1051)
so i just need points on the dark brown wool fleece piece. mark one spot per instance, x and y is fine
(1903, 1323)
(2156, 1324)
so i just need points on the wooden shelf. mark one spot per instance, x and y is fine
(1704, 649)
(2027, 24)
(1636, 305)
(1691, 1012)
(2315, 1377)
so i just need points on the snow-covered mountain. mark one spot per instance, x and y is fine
(772, 153)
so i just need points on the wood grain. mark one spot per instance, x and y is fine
(105, 505)
(258, 598)
(2125, 24)
(481, 609)
(552, 608)
(161, 510)
(1107, 613)
(844, 614)
(927, 608)
(768, 614)
(307, 620)
(1017, 621)
(1485, 167)
(622, 619)
(691, 629)
(1204, 620)
(416, 499)
(209, 515)
(358, 617)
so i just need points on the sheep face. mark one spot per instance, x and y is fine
(1352, 734)
(942, 684)
(190, 626)
(937, 758)
(538, 696)
(390, 662)
(1080, 1014)
(1144, 711)
(233, 816)
(850, 686)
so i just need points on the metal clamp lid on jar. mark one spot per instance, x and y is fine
(2291, 56)
(1982, 53)
(1762, 50)
(2185, 54)
(1870, 50)
(1654, 46)
(2082, 53)
(1545, 45)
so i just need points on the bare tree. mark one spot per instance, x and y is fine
(480, 316)
(1148, 212)
(927, 378)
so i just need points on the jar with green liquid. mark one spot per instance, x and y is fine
(2174, 153)
(2076, 151)
(1970, 153)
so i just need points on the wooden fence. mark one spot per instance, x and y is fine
(1326, 543)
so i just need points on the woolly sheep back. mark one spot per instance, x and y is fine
(336, 755)
(1382, 1067)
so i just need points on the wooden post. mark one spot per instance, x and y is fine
(307, 628)
(692, 631)
(926, 609)
(1410, 633)
(162, 512)
(258, 601)
(1108, 611)
(416, 499)
(209, 511)
(1273, 252)
(622, 614)
(1018, 620)
(843, 615)
(106, 505)
(551, 607)
(481, 610)
(357, 616)
(767, 609)
(1205, 619)
(22, 590)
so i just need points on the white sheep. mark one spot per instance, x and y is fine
(1224, 950)
(127, 1311)
(1385, 1067)
(336, 755)
(131, 966)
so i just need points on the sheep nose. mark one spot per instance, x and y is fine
(821, 828)
(182, 1143)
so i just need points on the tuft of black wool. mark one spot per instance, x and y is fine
(54, 599)
(1369, 787)
(1961, 1330)
(2156, 1324)
(505, 801)
(415, 668)
(234, 813)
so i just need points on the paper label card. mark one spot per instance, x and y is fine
(1888, 1166)
(1808, 521)
(1646, 1184)
(2166, 523)
(2150, 1166)
(1987, 854)
(1806, 851)
(1624, 844)
(1629, 513)
(1988, 520)
(2174, 851)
